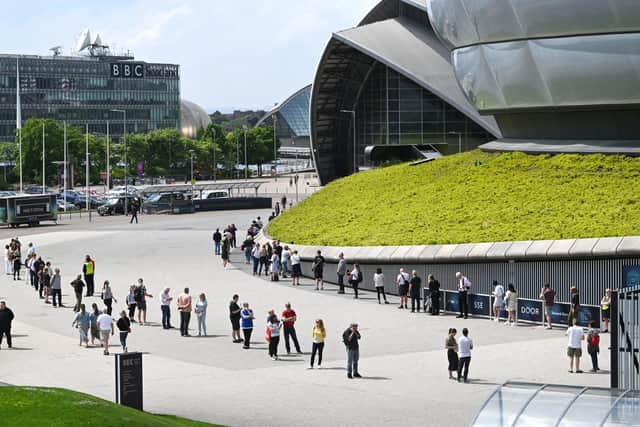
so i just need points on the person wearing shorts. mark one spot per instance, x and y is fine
(105, 323)
(403, 287)
(296, 271)
(234, 316)
(574, 346)
(498, 302)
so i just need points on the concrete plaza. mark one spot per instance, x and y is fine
(212, 379)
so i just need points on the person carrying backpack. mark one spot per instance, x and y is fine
(593, 345)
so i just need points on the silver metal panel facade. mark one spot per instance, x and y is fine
(466, 22)
(562, 72)
(629, 338)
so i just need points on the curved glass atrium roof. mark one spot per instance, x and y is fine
(527, 404)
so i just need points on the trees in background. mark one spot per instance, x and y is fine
(164, 152)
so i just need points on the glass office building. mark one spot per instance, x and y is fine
(83, 90)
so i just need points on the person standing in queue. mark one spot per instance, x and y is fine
(464, 285)
(224, 254)
(341, 271)
(548, 297)
(201, 314)
(350, 337)
(77, 286)
(452, 352)
(273, 334)
(403, 287)
(184, 306)
(296, 270)
(6, 317)
(415, 289)
(246, 323)
(465, 345)
(56, 288)
(498, 300)
(605, 305)
(217, 239)
(107, 296)
(355, 277)
(88, 269)
(165, 306)
(131, 303)
(318, 270)
(141, 295)
(124, 327)
(575, 305)
(234, 316)
(289, 318)
(378, 283)
(434, 294)
(319, 335)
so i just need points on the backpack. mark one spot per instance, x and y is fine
(594, 339)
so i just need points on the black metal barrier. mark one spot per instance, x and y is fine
(233, 203)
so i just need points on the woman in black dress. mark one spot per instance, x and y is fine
(452, 351)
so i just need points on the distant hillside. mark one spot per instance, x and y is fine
(237, 119)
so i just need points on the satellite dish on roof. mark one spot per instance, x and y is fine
(84, 40)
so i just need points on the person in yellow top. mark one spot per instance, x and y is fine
(319, 334)
(89, 268)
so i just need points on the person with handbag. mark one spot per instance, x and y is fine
(273, 334)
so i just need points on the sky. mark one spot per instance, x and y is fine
(233, 54)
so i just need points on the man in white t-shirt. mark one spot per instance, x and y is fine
(574, 346)
(105, 323)
(465, 345)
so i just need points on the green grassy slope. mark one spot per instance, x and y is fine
(508, 197)
(35, 406)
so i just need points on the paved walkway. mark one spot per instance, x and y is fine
(213, 379)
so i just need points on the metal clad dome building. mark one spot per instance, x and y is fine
(558, 76)
(192, 118)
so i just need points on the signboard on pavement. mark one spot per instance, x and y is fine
(129, 380)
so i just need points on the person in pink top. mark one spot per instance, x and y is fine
(184, 306)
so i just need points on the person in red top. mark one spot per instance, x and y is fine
(289, 318)
(548, 295)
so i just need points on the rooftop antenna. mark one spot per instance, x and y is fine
(56, 50)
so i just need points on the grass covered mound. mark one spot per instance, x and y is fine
(36, 406)
(472, 197)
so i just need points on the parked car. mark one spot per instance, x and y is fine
(218, 194)
(68, 207)
(168, 203)
(115, 206)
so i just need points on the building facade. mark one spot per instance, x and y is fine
(85, 89)
(391, 79)
(291, 118)
(556, 76)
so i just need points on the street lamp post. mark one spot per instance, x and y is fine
(237, 153)
(275, 147)
(215, 164)
(107, 179)
(86, 163)
(355, 148)
(126, 179)
(43, 158)
(459, 140)
(246, 160)
(191, 158)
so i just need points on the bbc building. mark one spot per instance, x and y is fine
(83, 90)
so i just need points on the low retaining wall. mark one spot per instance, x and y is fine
(591, 264)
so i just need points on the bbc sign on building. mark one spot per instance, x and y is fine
(127, 70)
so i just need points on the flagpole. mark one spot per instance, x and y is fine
(43, 157)
(86, 160)
(19, 118)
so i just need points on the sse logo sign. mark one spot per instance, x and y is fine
(127, 70)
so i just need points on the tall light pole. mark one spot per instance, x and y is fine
(355, 148)
(237, 151)
(126, 179)
(64, 176)
(275, 148)
(86, 165)
(191, 158)
(43, 157)
(108, 161)
(246, 160)
(459, 139)
(19, 119)
(215, 165)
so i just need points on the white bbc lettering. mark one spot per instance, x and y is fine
(478, 305)
(115, 70)
(127, 70)
(137, 70)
